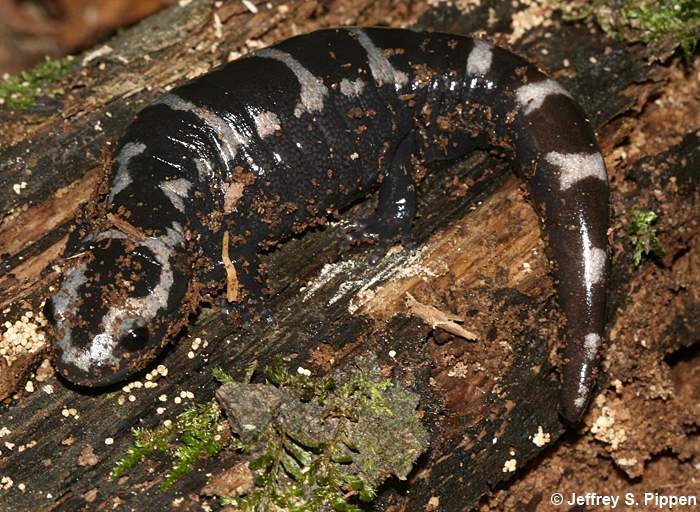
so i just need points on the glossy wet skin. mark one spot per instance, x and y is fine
(268, 145)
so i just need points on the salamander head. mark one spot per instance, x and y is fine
(114, 308)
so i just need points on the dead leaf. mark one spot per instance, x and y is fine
(235, 481)
(231, 276)
(87, 457)
(233, 193)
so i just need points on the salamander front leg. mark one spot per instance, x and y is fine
(397, 204)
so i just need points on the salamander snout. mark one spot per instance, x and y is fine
(106, 359)
(108, 316)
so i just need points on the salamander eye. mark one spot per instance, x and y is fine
(49, 312)
(135, 339)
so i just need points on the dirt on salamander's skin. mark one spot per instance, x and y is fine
(585, 471)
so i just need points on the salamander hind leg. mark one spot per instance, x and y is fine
(392, 220)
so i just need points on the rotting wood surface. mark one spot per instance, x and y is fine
(479, 255)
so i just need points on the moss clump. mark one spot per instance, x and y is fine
(679, 19)
(322, 444)
(21, 91)
(642, 234)
(194, 434)
(664, 25)
(310, 444)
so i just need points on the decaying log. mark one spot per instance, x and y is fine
(478, 257)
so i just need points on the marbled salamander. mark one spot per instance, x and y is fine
(265, 146)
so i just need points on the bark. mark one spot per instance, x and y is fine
(480, 256)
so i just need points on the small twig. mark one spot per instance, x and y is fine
(438, 319)
(231, 276)
(128, 229)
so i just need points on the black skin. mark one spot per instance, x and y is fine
(323, 149)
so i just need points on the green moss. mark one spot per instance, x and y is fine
(679, 19)
(21, 91)
(642, 234)
(221, 376)
(312, 443)
(319, 443)
(668, 23)
(145, 442)
(193, 435)
(224, 378)
(198, 436)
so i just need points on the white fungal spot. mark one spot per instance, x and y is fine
(531, 96)
(575, 167)
(122, 178)
(352, 88)
(266, 123)
(177, 190)
(479, 61)
(313, 91)
(541, 438)
(510, 466)
(380, 67)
